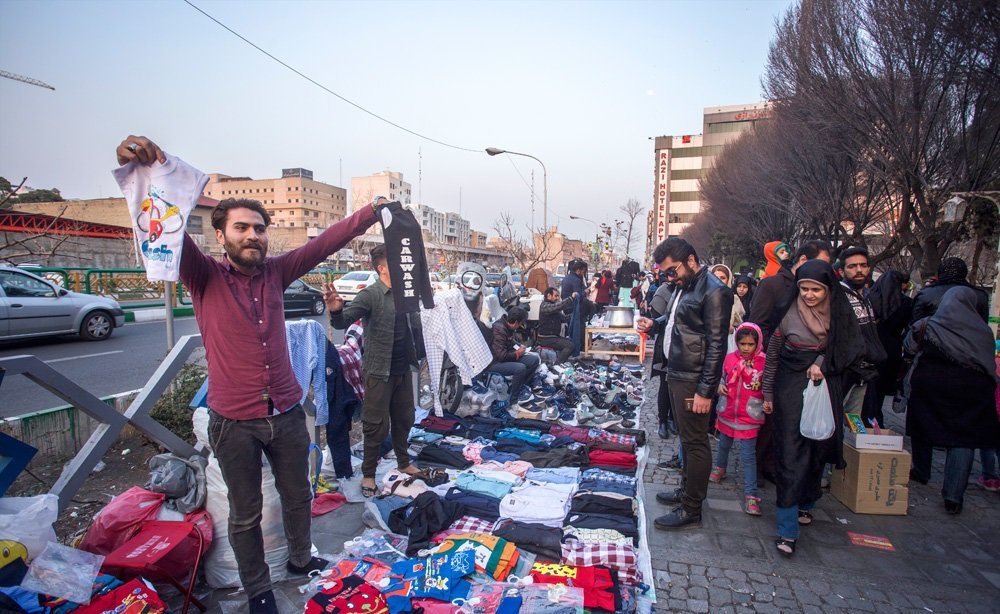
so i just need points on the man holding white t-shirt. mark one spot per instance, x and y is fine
(253, 394)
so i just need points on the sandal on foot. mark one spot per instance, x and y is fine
(805, 517)
(785, 546)
(368, 491)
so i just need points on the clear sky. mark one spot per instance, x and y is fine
(580, 85)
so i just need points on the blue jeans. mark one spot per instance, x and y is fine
(957, 467)
(988, 457)
(788, 520)
(748, 458)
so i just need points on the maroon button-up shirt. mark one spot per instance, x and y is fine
(242, 320)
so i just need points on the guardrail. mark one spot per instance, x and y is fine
(131, 288)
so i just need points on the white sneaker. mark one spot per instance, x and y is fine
(351, 488)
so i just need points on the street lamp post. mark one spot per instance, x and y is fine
(494, 151)
(599, 229)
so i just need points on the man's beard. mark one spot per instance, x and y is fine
(236, 253)
(684, 279)
(857, 283)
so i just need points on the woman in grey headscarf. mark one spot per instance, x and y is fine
(952, 388)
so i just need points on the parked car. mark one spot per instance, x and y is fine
(349, 285)
(301, 297)
(32, 306)
(439, 282)
(493, 279)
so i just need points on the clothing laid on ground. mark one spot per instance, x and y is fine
(537, 538)
(424, 516)
(160, 197)
(404, 250)
(599, 584)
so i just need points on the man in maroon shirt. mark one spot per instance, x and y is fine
(253, 394)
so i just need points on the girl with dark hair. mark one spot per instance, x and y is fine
(816, 338)
(744, 291)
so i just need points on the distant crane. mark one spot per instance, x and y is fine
(28, 80)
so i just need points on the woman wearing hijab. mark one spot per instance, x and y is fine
(744, 291)
(816, 338)
(892, 311)
(775, 253)
(725, 275)
(952, 388)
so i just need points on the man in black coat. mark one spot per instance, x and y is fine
(694, 342)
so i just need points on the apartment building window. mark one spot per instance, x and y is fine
(291, 223)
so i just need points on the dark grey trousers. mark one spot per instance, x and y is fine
(238, 444)
(388, 409)
(697, 450)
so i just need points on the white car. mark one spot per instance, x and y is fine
(32, 306)
(350, 284)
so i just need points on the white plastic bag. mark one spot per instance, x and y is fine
(61, 571)
(28, 521)
(817, 412)
(221, 570)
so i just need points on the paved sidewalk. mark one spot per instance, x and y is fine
(942, 563)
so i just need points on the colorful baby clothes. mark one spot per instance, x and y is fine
(160, 197)
(492, 555)
(599, 584)
(346, 596)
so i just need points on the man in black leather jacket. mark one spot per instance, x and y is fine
(694, 332)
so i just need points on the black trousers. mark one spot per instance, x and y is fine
(561, 344)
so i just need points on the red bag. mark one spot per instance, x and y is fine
(120, 520)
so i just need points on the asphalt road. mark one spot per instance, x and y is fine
(123, 362)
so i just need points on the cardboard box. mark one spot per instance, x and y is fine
(874, 481)
(888, 440)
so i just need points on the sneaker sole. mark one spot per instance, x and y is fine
(693, 525)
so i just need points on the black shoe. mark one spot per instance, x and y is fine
(262, 604)
(673, 463)
(314, 564)
(678, 519)
(663, 432)
(952, 507)
(917, 477)
(670, 497)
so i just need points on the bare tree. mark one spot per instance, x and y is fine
(911, 91)
(625, 226)
(526, 252)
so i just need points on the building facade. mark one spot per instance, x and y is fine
(681, 161)
(384, 183)
(295, 200)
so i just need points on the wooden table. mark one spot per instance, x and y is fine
(639, 353)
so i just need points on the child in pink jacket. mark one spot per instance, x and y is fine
(741, 410)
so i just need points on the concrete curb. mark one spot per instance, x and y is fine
(152, 315)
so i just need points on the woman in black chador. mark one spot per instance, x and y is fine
(816, 337)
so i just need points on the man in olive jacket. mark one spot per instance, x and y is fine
(389, 353)
(694, 331)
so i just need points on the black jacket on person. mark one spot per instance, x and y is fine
(698, 341)
(927, 301)
(404, 250)
(658, 306)
(502, 344)
(771, 292)
(551, 317)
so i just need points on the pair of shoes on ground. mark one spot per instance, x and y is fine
(678, 517)
(673, 463)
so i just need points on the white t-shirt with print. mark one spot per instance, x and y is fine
(160, 197)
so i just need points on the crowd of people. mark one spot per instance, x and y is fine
(734, 356)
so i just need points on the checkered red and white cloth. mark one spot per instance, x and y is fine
(350, 358)
(621, 558)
